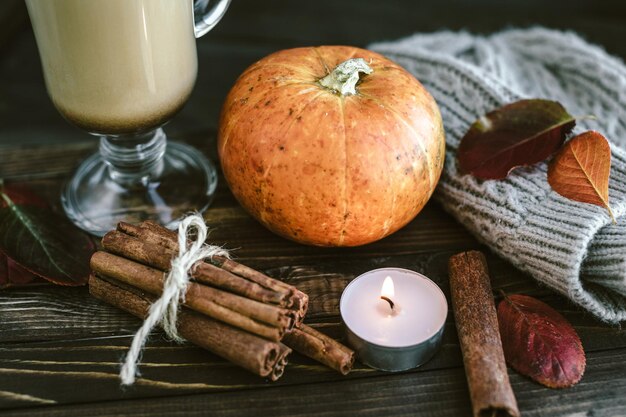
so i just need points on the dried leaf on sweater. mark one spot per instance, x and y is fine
(539, 342)
(519, 134)
(581, 169)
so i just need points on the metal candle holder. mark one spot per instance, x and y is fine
(392, 358)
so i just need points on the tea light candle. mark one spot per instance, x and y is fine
(393, 318)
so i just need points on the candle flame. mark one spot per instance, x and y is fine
(387, 289)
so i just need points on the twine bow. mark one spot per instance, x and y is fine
(165, 309)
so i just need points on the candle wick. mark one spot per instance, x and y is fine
(391, 304)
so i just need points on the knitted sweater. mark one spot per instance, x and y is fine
(571, 247)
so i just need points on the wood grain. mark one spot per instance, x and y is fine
(58, 335)
(414, 393)
(60, 349)
(50, 312)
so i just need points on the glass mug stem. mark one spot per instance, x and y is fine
(134, 159)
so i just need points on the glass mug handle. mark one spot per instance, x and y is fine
(205, 17)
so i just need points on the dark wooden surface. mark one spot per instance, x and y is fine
(60, 349)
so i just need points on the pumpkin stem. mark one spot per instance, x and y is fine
(344, 77)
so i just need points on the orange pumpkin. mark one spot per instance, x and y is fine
(328, 149)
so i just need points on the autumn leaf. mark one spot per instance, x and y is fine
(13, 275)
(518, 134)
(40, 241)
(539, 342)
(581, 169)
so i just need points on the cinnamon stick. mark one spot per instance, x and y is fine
(212, 275)
(154, 233)
(253, 301)
(265, 320)
(138, 250)
(300, 299)
(477, 326)
(155, 245)
(151, 232)
(316, 345)
(260, 356)
(144, 247)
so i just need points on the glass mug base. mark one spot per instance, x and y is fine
(183, 181)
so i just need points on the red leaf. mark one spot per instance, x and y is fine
(518, 134)
(581, 169)
(539, 342)
(40, 241)
(13, 275)
(21, 195)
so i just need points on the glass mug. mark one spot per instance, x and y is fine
(120, 69)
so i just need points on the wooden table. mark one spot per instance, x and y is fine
(60, 348)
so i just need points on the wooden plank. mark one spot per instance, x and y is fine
(437, 392)
(52, 312)
(54, 162)
(68, 315)
(58, 313)
(91, 366)
(232, 227)
(58, 162)
(40, 369)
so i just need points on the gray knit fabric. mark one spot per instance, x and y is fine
(571, 247)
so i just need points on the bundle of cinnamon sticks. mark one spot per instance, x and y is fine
(230, 309)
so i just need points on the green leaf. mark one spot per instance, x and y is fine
(41, 241)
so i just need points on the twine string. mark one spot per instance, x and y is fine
(165, 309)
